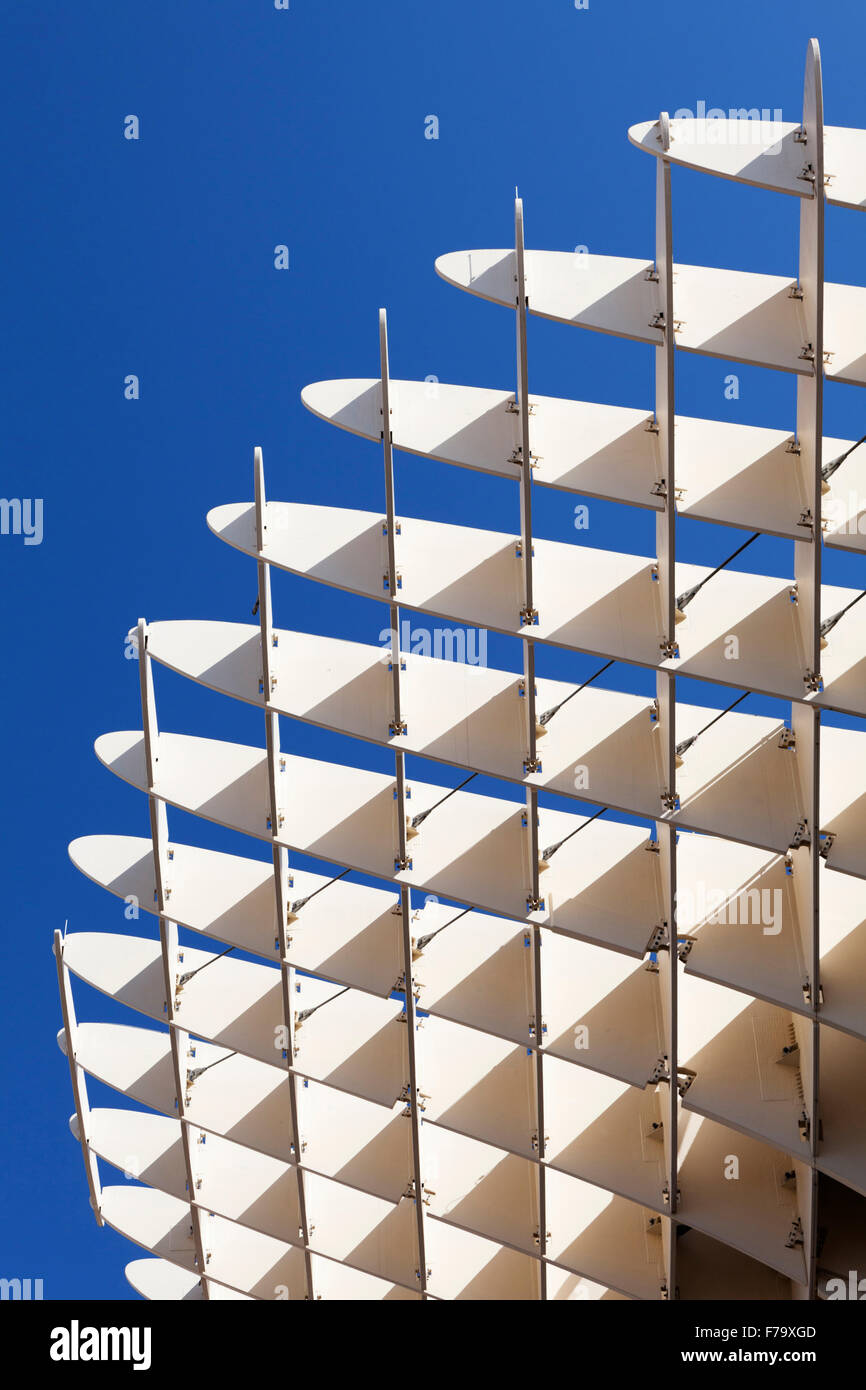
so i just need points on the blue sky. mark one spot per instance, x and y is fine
(155, 257)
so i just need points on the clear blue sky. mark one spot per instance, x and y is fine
(155, 257)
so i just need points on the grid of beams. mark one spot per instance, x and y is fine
(589, 1066)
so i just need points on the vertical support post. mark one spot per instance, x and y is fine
(162, 856)
(79, 1080)
(531, 760)
(805, 719)
(668, 958)
(402, 860)
(523, 455)
(538, 1063)
(810, 388)
(282, 904)
(397, 725)
(666, 684)
(413, 1091)
(664, 400)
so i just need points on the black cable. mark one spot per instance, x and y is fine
(553, 848)
(422, 815)
(200, 1071)
(425, 940)
(829, 623)
(689, 594)
(307, 1013)
(183, 978)
(830, 468)
(549, 713)
(302, 902)
(687, 742)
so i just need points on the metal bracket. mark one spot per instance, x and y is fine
(788, 739)
(807, 993)
(795, 1235)
(659, 939)
(827, 845)
(660, 489)
(685, 1077)
(801, 835)
(659, 1072)
(516, 457)
(658, 321)
(813, 681)
(529, 617)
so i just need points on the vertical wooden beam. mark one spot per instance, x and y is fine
(664, 399)
(805, 719)
(282, 904)
(397, 725)
(531, 760)
(668, 957)
(79, 1080)
(402, 859)
(162, 856)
